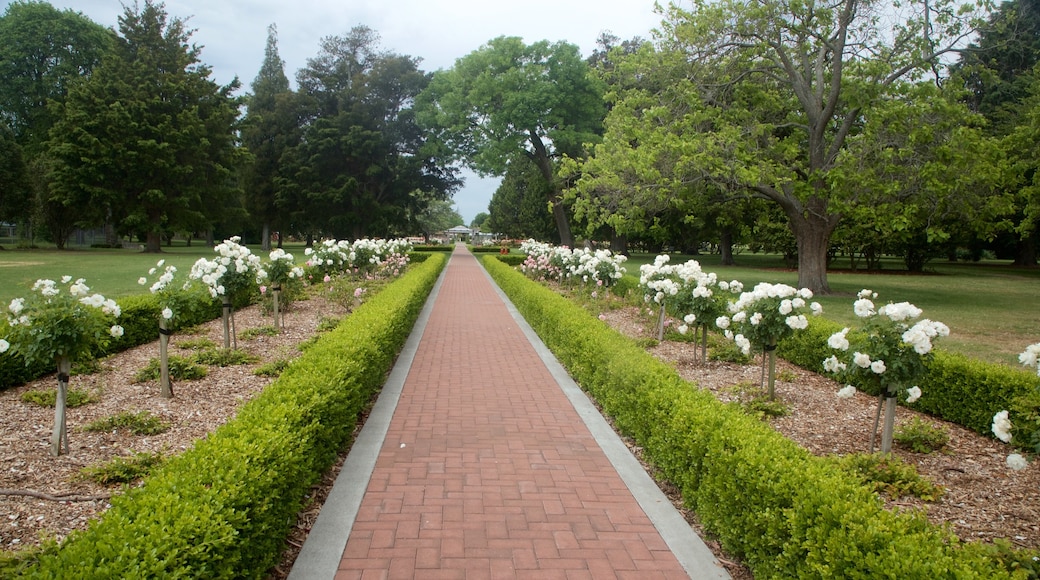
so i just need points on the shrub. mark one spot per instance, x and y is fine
(223, 508)
(122, 469)
(143, 423)
(887, 473)
(181, 369)
(273, 368)
(920, 436)
(196, 344)
(224, 357)
(251, 333)
(49, 397)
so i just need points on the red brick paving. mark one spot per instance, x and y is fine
(487, 471)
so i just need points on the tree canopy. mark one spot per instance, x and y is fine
(508, 97)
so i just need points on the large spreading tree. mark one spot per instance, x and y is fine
(508, 97)
(147, 141)
(770, 94)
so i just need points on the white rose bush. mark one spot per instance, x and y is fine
(281, 270)
(592, 268)
(887, 353)
(60, 323)
(168, 296)
(660, 284)
(233, 273)
(1027, 413)
(763, 317)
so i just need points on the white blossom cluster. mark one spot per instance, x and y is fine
(1030, 357)
(889, 324)
(365, 254)
(562, 264)
(767, 313)
(233, 270)
(282, 266)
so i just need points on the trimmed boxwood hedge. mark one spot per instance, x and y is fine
(223, 508)
(784, 511)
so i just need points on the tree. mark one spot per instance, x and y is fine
(438, 215)
(14, 181)
(518, 208)
(268, 129)
(362, 155)
(479, 219)
(506, 98)
(42, 51)
(774, 90)
(148, 140)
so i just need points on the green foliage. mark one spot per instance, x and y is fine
(756, 402)
(727, 351)
(273, 368)
(328, 323)
(886, 473)
(511, 259)
(920, 436)
(224, 357)
(142, 423)
(196, 344)
(785, 512)
(223, 508)
(49, 397)
(251, 333)
(181, 369)
(123, 469)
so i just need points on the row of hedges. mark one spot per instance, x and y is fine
(785, 512)
(223, 508)
(957, 388)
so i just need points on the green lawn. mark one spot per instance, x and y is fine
(111, 272)
(991, 308)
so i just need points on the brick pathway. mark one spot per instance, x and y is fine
(487, 470)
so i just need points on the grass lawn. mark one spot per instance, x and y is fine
(990, 307)
(110, 272)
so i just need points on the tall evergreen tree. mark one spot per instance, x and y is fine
(148, 140)
(268, 130)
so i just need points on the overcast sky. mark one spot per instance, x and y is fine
(233, 33)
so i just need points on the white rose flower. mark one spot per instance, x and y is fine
(167, 313)
(786, 306)
(912, 394)
(839, 340)
(862, 360)
(833, 365)
(863, 308)
(16, 306)
(847, 392)
(116, 331)
(142, 280)
(689, 319)
(4, 345)
(878, 367)
(722, 322)
(1017, 462)
(1002, 426)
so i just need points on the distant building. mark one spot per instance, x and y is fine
(459, 233)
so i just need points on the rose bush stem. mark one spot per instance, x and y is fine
(877, 419)
(165, 387)
(60, 435)
(660, 323)
(890, 421)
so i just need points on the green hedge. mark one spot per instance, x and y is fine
(958, 389)
(784, 511)
(223, 508)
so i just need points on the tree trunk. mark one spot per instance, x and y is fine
(813, 234)
(265, 238)
(889, 427)
(726, 247)
(60, 434)
(226, 320)
(563, 226)
(165, 386)
(153, 243)
(1025, 251)
(618, 243)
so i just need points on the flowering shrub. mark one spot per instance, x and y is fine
(163, 288)
(60, 320)
(235, 270)
(767, 314)
(60, 327)
(890, 351)
(562, 264)
(1027, 412)
(363, 255)
(326, 257)
(281, 268)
